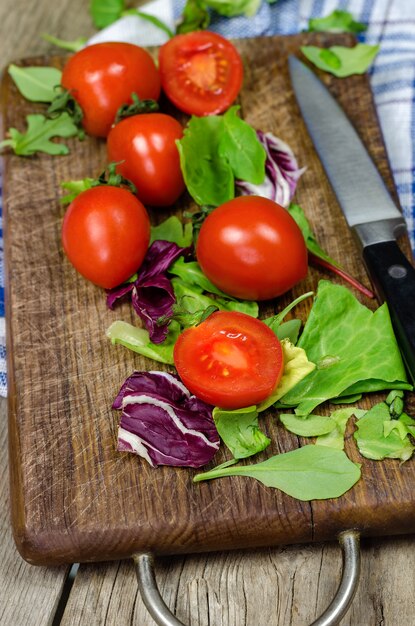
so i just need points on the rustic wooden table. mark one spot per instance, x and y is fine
(290, 585)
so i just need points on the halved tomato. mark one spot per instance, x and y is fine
(201, 72)
(230, 360)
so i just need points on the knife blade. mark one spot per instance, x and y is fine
(366, 203)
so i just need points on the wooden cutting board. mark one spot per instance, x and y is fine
(74, 497)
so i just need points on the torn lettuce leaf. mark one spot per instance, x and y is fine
(240, 432)
(297, 367)
(311, 426)
(342, 61)
(138, 340)
(308, 473)
(354, 349)
(335, 438)
(163, 423)
(378, 436)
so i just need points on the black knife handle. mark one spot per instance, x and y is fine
(394, 280)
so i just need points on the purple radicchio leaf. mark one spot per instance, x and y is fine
(281, 172)
(152, 294)
(162, 422)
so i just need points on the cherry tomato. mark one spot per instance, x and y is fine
(201, 72)
(230, 360)
(105, 234)
(103, 76)
(144, 146)
(252, 248)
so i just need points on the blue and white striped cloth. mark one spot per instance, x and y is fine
(391, 23)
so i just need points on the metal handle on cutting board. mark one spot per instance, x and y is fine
(349, 542)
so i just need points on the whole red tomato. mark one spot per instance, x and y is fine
(201, 72)
(144, 146)
(252, 248)
(230, 360)
(103, 76)
(105, 234)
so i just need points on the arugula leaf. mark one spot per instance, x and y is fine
(191, 273)
(230, 8)
(190, 298)
(36, 84)
(195, 16)
(212, 155)
(138, 340)
(354, 349)
(39, 132)
(337, 22)
(240, 432)
(208, 177)
(335, 438)
(377, 436)
(105, 12)
(342, 61)
(240, 146)
(298, 214)
(173, 230)
(308, 473)
(150, 18)
(289, 330)
(72, 46)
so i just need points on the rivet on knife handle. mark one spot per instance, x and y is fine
(394, 281)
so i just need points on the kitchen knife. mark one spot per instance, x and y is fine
(366, 203)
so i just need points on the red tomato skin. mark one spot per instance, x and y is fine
(252, 248)
(105, 235)
(251, 344)
(103, 76)
(201, 72)
(145, 147)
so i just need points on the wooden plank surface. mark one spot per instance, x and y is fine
(300, 579)
(75, 497)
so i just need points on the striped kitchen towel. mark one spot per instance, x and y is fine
(391, 23)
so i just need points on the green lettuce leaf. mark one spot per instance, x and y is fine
(335, 438)
(36, 84)
(105, 12)
(296, 368)
(138, 340)
(312, 426)
(354, 350)
(379, 437)
(342, 61)
(39, 132)
(195, 16)
(337, 22)
(308, 473)
(240, 432)
(173, 230)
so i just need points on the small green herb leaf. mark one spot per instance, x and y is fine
(342, 61)
(75, 187)
(311, 426)
(230, 8)
(173, 230)
(149, 18)
(105, 12)
(39, 132)
(239, 145)
(36, 84)
(335, 438)
(195, 16)
(337, 22)
(308, 473)
(72, 46)
(240, 432)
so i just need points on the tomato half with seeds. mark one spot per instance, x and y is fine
(230, 360)
(103, 76)
(201, 72)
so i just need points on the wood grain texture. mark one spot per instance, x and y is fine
(75, 497)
